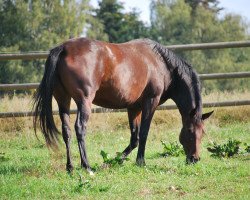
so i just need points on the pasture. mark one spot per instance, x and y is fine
(28, 170)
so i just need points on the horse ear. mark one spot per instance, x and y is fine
(207, 115)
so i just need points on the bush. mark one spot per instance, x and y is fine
(118, 160)
(229, 149)
(172, 149)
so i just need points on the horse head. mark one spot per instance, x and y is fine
(191, 135)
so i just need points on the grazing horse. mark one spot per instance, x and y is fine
(138, 75)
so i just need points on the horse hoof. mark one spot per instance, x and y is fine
(91, 173)
(141, 162)
(69, 168)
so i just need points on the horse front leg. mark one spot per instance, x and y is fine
(148, 110)
(83, 112)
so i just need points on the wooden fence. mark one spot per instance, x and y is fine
(204, 46)
(30, 86)
(185, 47)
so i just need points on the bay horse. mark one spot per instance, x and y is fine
(137, 75)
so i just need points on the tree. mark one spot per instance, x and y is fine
(175, 23)
(211, 5)
(95, 29)
(118, 25)
(36, 25)
(171, 20)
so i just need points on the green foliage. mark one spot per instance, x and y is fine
(36, 26)
(174, 23)
(229, 149)
(3, 157)
(120, 26)
(95, 29)
(118, 160)
(39, 25)
(172, 149)
(247, 147)
(171, 21)
(83, 183)
(187, 22)
(211, 5)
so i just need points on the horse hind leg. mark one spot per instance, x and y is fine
(83, 112)
(66, 132)
(134, 117)
(63, 100)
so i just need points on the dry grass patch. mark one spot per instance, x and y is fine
(117, 121)
(226, 96)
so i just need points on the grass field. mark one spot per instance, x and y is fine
(28, 170)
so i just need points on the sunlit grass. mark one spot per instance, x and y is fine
(28, 170)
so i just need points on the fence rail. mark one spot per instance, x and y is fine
(224, 75)
(185, 47)
(105, 110)
(29, 86)
(23, 86)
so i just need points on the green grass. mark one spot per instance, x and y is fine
(28, 170)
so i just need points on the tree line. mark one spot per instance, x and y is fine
(39, 25)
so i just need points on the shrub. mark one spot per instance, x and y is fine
(228, 149)
(118, 160)
(172, 149)
(247, 148)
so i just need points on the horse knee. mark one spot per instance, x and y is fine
(79, 132)
(66, 129)
(66, 132)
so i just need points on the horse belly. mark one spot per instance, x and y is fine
(120, 92)
(107, 99)
(115, 98)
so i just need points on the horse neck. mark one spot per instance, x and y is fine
(185, 97)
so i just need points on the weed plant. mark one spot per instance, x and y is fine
(228, 149)
(172, 149)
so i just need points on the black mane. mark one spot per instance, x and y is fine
(179, 67)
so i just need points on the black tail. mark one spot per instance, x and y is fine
(43, 99)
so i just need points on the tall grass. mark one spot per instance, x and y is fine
(115, 121)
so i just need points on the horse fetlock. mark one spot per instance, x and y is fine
(85, 165)
(69, 167)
